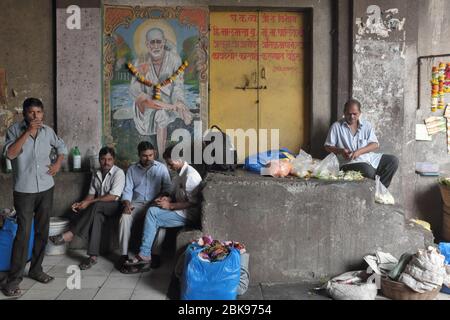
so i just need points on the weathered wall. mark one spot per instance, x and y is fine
(78, 76)
(433, 39)
(385, 77)
(27, 54)
(379, 71)
(302, 229)
(79, 68)
(70, 187)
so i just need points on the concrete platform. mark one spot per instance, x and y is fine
(300, 230)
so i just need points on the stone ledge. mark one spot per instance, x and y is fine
(296, 229)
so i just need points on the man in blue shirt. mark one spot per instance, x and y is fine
(354, 142)
(29, 144)
(144, 182)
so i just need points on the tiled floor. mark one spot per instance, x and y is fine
(104, 282)
(101, 282)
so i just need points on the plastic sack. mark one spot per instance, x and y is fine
(351, 286)
(204, 280)
(278, 168)
(7, 236)
(382, 195)
(328, 168)
(303, 165)
(444, 248)
(244, 279)
(426, 271)
(259, 161)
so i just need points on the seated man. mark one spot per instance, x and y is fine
(102, 201)
(167, 213)
(145, 181)
(354, 140)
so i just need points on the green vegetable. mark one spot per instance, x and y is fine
(444, 181)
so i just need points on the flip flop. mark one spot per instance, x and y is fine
(41, 277)
(12, 292)
(87, 263)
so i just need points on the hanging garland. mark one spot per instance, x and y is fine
(157, 86)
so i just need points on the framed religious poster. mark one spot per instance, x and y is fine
(155, 75)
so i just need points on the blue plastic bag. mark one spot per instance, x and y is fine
(7, 236)
(258, 161)
(205, 280)
(444, 248)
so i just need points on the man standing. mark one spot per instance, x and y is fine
(152, 116)
(29, 144)
(354, 140)
(144, 181)
(177, 211)
(102, 201)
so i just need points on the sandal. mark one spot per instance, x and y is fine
(41, 277)
(87, 263)
(57, 240)
(137, 261)
(129, 269)
(12, 292)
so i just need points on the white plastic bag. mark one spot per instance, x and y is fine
(303, 165)
(351, 286)
(382, 195)
(328, 168)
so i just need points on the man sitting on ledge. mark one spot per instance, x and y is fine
(354, 140)
(102, 201)
(177, 211)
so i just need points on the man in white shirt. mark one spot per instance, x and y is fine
(354, 141)
(176, 211)
(102, 201)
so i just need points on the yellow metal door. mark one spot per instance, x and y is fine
(256, 75)
(233, 65)
(281, 67)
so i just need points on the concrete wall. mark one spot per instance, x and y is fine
(79, 68)
(433, 39)
(385, 72)
(379, 71)
(70, 187)
(27, 54)
(79, 77)
(295, 229)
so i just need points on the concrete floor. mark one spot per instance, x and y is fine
(104, 282)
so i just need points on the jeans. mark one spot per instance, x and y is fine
(154, 219)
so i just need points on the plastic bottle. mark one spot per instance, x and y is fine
(92, 158)
(8, 166)
(76, 158)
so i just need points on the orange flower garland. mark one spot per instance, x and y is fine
(157, 86)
